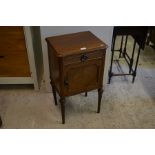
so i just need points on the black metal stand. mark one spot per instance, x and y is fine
(123, 54)
(139, 33)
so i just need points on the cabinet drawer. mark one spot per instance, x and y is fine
(14, 65)
(84, 57)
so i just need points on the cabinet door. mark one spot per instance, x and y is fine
(83, 77)
(13, 53)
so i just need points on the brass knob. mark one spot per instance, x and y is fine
(84, 57)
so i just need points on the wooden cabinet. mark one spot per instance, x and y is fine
(76, 65)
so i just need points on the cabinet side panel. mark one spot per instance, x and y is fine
(54, 68)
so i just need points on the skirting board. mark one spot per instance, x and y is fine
(16, 80)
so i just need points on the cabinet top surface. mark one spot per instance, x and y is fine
(75, 43)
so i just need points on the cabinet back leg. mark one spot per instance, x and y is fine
(54, 95)
(100, 92)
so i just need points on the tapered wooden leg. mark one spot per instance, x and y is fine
(54, 95)
(100, 92)
(0, 121)
(62, 101)
(86, 94)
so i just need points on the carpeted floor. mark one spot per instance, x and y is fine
(124, 105)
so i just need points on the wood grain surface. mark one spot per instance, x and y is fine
(13, 52)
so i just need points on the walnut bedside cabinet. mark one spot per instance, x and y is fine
(76, 65)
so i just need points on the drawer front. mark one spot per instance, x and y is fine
(83, 77)
(84, 57)
(14, 65)
(13, 53)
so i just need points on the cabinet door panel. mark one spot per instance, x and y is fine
(83, 76)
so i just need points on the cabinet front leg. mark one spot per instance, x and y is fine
(62, 102)
(54, 94)
(100, 92)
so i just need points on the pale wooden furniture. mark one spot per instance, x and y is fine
(19, 56)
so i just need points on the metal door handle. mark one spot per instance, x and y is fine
(1, 56)
(84, 57)
(66, 83)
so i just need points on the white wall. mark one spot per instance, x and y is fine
(37, 48)
(103, 32)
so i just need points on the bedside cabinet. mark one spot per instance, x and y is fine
(76, 65)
